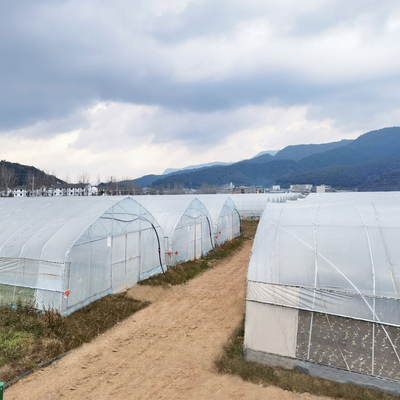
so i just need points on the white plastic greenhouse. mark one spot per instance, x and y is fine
(253, 205)
(224, 215)
(66, 252)
(186, 223)
(323, 293)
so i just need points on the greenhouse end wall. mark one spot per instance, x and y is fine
(336, 348)
(65, 253)
(322, 289)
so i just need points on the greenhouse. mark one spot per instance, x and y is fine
(186, 223)
(63, 253)
(253, 205)
(225, 217)
(323, 289)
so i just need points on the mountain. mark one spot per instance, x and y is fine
(257, 159)
(299, 151)
(379, 144)
(363, 163)
(147, 180)
(371, 156)
(14, 174)
(271, 152)
(243, 173)
(211, 164)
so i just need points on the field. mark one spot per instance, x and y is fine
(182, 346)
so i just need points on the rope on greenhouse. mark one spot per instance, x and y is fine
(314, 223)
(389, 261)
(159, 251)
(138, 217)
(240, 222)
(209, 226)
(373, 284)
(348, 280)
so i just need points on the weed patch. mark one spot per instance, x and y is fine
(232, 362)
(181, 273)
(28, 338)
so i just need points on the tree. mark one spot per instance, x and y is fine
(7, 179)
(84, 178)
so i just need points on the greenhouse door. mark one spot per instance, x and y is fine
(192, 241)
(198, 241)
(132, 259)
(118, 263)
(229, 224)
(125, 261)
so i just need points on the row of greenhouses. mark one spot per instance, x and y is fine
(64, 253)
(323, 288)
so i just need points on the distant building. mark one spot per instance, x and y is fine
(245, 189)
(303, 188)
(65, 189)
(20, 191)
(324, 189)
(228, 188)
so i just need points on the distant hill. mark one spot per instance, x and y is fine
(367, 158)
(147, 180)
(211, 164)
(379, 144)
(243, 173)
(271, 152)
(14, 174)
(365, 162)
(297, 152)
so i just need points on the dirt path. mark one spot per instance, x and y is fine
(165, 351)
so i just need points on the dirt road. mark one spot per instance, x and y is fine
(165, 351)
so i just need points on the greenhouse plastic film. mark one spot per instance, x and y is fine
(334, 261)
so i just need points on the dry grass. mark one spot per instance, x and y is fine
(232, 362)
(28, 338)
(181, 273)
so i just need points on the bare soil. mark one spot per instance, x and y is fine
(165, 351)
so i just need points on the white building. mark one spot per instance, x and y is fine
(20, 191)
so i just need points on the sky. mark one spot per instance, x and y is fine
(129, 88)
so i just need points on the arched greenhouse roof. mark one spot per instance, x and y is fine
(338, 255)
(46, 228)
(253, 205)
(215, 203)
(168, 210)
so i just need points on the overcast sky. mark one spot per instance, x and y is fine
(127, 88)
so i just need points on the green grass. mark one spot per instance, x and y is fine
(11, 294)
(232, 362)
(14, 345)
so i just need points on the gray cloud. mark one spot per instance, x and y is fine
(62, 57)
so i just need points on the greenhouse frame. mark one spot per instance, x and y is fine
(323, 289)
(186, 223)
(224, 215)
(252, 205)
(63, 253)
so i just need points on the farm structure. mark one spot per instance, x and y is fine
(224, 215)
(63, 253)
(253, 205)
(323, 289)
(186, 223)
